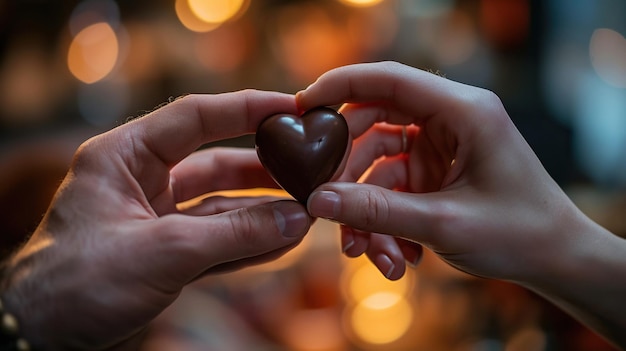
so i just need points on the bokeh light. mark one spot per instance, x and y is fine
(373, 30)
(381, 318)
(314, 330)
(309, 42)
(144, 56)
(378, 311)
(361, 3)
(93, 53)
(189, 19)
(216, 11)
(600, 131)
(366, 280)
(607, 49)
(225, 49)
(29, 88)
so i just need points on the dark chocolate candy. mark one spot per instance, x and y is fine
(301, 153)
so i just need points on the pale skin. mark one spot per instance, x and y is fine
(113, 250)
(469, 188)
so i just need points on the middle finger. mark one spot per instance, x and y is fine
(218, 169)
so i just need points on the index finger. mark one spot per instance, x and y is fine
(461, 121)
(175, 130)
(411, 91)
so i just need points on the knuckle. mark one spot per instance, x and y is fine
(174, 240)
(484, 107)
(490, 100)
(186, 99)
(375, 211)
(487, 96)
(249, 91)
(488, 103)
(392, 65)
(86, 154)
(85, 149)
(243, 226)
(379, 144)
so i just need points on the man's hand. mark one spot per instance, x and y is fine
(113, 250)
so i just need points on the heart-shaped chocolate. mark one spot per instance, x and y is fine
(301, 153)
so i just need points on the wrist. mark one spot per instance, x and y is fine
(579, 253)
(582, 274)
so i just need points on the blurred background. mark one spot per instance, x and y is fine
(72, 69)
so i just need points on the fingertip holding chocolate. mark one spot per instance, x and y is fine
(301, 101)
(291, 219)
(301, 110)
(300, 95)
(324, 204)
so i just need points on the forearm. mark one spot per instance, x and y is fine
(586, 276)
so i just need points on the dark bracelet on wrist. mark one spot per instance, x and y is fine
(10, 339)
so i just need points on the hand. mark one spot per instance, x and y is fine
(113, 250)
(471, 190)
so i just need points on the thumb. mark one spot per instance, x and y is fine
(375, 209)
(195, 244)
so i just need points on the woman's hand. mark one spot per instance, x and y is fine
(468, 187)
(466, 171)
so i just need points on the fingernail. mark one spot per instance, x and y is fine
(348, 240)
(385, 265)
(324, 204)
(298, 98)
(291, 219)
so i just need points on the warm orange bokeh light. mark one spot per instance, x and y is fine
(381, 318)
(225, 49)
(309, 42)
(93, 53)
(314, 330)
(374, 30)
(215, 11)
(361, 3)
(366, 280)
(189, 19)
(378, 311)
(29, 86)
